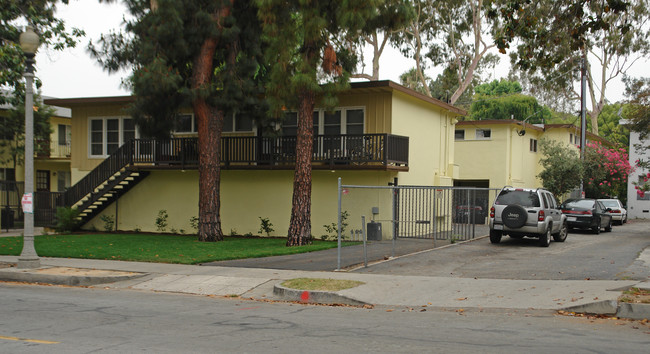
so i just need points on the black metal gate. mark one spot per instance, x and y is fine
(443, 213)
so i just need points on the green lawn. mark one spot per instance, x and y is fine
(184, 249)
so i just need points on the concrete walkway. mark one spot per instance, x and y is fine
(589, 296)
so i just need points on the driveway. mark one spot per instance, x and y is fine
(609, 256)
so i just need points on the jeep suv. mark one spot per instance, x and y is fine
(519, 212)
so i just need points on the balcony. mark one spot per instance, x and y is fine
(367, 151)
(52, 149)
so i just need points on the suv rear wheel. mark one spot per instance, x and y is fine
(545, 239)
(495, 236)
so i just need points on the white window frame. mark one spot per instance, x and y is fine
(344, 118)
(104, 120)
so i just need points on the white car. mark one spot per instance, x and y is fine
(618, 213)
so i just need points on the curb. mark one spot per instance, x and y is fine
(614, 308)
(315, 297)
(13, 274)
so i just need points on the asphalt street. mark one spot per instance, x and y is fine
(37, 319)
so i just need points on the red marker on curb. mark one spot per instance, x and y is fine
(304, 297)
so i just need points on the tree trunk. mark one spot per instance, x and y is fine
(300, 225)
(210, 123)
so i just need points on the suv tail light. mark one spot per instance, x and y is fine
(541, 217)
(492, 212)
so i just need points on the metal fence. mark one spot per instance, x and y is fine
(413, 214)
(11, 213)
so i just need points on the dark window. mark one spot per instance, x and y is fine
(523, 198)
(483, 133)
(459, 134)
(185, 123)
(533, 145)
(354, 122)
(290, 124)
(243, 123)
(42, 180)
(97, 137)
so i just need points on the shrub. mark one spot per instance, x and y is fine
(66, 219)
(109, 222)
(266, 226)
(161, 220)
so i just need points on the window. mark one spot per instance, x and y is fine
(346, 121)
(483, 134)
(533, 145)
(108, 134)
(7, 174)
(186, 123)
(570, 138)
(290, 124)
(459, 134)
(62, 180)
(42, 180)
(64, 135)
(237, 123)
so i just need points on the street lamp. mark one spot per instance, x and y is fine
(28, 258)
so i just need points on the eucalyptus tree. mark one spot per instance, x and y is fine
(200, 53)
(392, 17)
(554, 36)
(454, 34)
(310, 62)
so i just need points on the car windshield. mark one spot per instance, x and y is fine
(582, 203)
(520, 197)
(610, 203)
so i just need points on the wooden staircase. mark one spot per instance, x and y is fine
(108, 192)
(105, 184)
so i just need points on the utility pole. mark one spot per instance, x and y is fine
(583, 115)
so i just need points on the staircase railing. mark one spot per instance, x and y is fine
(119, 159)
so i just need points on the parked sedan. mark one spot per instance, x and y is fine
(587, 214)
(618, 213)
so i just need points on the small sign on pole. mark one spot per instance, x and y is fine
(28, 203)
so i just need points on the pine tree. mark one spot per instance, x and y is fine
(309, 61)
(204, 54)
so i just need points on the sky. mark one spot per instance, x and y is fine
(73, 73)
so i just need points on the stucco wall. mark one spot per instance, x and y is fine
(430, 141)
(244, 199)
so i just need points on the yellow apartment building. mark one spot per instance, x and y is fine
(378, 132)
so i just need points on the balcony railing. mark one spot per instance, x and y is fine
(52, 149)
(237, 152)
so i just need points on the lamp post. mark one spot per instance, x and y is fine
(28, 258)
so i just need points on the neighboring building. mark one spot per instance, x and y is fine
(379, 131)
(51, 168)
(498, 153)
(637, 206)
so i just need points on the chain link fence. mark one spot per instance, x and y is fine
(394, 220)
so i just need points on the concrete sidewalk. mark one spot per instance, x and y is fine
(588, 296)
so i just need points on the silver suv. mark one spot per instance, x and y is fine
(519, 212)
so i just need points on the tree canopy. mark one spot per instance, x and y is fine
(51, 30)
(452, 34)
(503, 100)
(554, 36)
